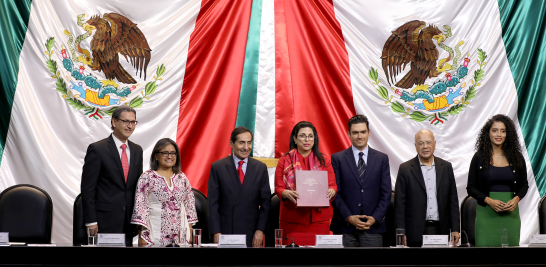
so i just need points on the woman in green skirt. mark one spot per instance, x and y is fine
(497, 179)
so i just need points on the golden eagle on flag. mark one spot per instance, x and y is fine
(117, 34)
(411, 43)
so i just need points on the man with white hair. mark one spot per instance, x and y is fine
(425, 196)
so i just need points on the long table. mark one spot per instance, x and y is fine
(67, 255)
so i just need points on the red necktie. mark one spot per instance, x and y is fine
(240, 171)
(124, 161)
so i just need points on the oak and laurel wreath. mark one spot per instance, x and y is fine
(60, 85)
(419, 116)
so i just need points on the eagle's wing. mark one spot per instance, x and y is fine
(105, 58)
(425, 61)
(400, 49)
(128, 40)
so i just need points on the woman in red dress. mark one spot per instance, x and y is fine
(302, 223)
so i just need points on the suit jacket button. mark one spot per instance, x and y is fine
(359, 204)
(362, 190)
(514, 182)
(480, 167)
(123, 208)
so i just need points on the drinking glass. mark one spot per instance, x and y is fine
(400, 237)
(196, 238)
(504, 238)
(91, 236)
(278, 238)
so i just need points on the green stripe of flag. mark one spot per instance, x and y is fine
(246, 113)
(14, 16)
(524, 36)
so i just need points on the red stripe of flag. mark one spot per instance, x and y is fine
(312, 74)
(211, 88)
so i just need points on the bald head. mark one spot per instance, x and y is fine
(423, 131)
(425, 144)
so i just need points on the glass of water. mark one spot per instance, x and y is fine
(91, 236)
(504, 238)
(278, 238)
(196, 238)
(400, 237)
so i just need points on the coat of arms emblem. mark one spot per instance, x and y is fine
(113, 35)
(432, 88)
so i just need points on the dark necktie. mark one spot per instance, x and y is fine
(240, 171)
(361, 166)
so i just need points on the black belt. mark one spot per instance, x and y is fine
(429, 222)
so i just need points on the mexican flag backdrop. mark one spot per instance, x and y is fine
(210, 66)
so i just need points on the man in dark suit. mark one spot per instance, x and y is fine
(238, 192)
(111, 170)
(425, 196)
(364, 189)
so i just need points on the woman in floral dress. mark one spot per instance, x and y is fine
(164, 202)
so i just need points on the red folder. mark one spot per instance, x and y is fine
(312, 186)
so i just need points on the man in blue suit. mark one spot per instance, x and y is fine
(364, 189)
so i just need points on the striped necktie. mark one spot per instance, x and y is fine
(361, 166)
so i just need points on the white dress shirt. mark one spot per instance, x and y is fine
(127, 149)
(357, 157)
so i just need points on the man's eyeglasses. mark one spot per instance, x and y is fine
(167, 153)
(126, 122)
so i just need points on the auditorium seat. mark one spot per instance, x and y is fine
(468, 217)
(272, 221)
(202, 208)
(542, 215)
(26, 212)
(79, 235)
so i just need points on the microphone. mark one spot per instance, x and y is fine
(467, 244)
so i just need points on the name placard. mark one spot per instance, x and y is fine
(4, 238)
(232, 241)
(111, 240)
(329, 241)
(435, 240)
(537, 241)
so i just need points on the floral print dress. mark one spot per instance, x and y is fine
(164, 211)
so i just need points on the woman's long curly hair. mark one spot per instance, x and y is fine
(510, 148)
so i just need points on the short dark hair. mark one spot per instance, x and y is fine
(239, 130)
(162, 143)
(117, 113)
(358, 119)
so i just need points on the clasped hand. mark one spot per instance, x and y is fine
(359, 224)
(500, 206)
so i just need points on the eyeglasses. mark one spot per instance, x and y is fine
(167, 153)
(303, 137)
(126, 122)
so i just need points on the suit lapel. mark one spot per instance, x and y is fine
(417, 173)
(115, 154)
(370, 164)
(230, 168)
(439, 173)
(349, 157)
